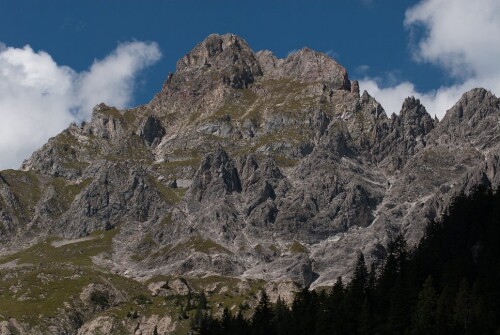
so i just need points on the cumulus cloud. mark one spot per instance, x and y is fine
(459, 36)
(39, 98)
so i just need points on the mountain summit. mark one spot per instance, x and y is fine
(252, 168)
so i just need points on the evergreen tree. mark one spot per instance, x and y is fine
(462, 309)
(202, 301)
(444, 314)
(304, 312)
(424, 318)
(282, 318)
(399, 316)
(197, 320)
(372, 280)
(240, 325)
(359, 282)
(356, 295)
(393, 294)
(425, 291)
(262, 319)
(335, 304)
(226, 322)
(365, 326)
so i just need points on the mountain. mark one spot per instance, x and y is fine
(449, 284)
(246, 168)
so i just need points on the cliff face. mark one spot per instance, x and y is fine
(254, 167)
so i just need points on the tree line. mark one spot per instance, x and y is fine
(448, 284)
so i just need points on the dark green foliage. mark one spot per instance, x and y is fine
(263, 317)
(282, 321)
(424, 317)
(449, 284)
(142, 299)
(462, 309)
(202, 320)
(100, 299)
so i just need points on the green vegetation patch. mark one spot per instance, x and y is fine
(227, 291)
(69, 149)
(297, 248)
(285, 162)
(177, 169)
(65, 140)
(275, 249)
(26, 187)
(194, 243)
(284, 86)
(167, 220)
(133, 150)
(112, 112)
(47, 276)
(236, 109)
(170, 195)
(67, 191)
(75, 253)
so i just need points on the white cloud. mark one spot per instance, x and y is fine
(391, 98)
(459, 36)
(436, 102)
(112, 79)
(39, 98)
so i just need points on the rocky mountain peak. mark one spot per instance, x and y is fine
(467, 109)
(306, 65)
(410, 103)
(106, 122)
(210, 51)
(218, 59)
(474, 117)
(414, 117)
(309, 65)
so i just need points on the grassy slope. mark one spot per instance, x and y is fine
(47, 279)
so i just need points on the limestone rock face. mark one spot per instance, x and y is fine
(406, 133)
(473, 118)
(306, 65)
(101, 325)
(227, 59)
(10, 327)
(117, 192)
(105, 122)
(254, 167)
(355, 87)
(152, 131)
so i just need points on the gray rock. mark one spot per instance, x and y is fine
(283, 171)
(306, 65)
(152, 131)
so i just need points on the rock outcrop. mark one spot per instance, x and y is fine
(308, 66)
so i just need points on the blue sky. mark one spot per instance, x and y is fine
(83, 52)
(355, 32)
